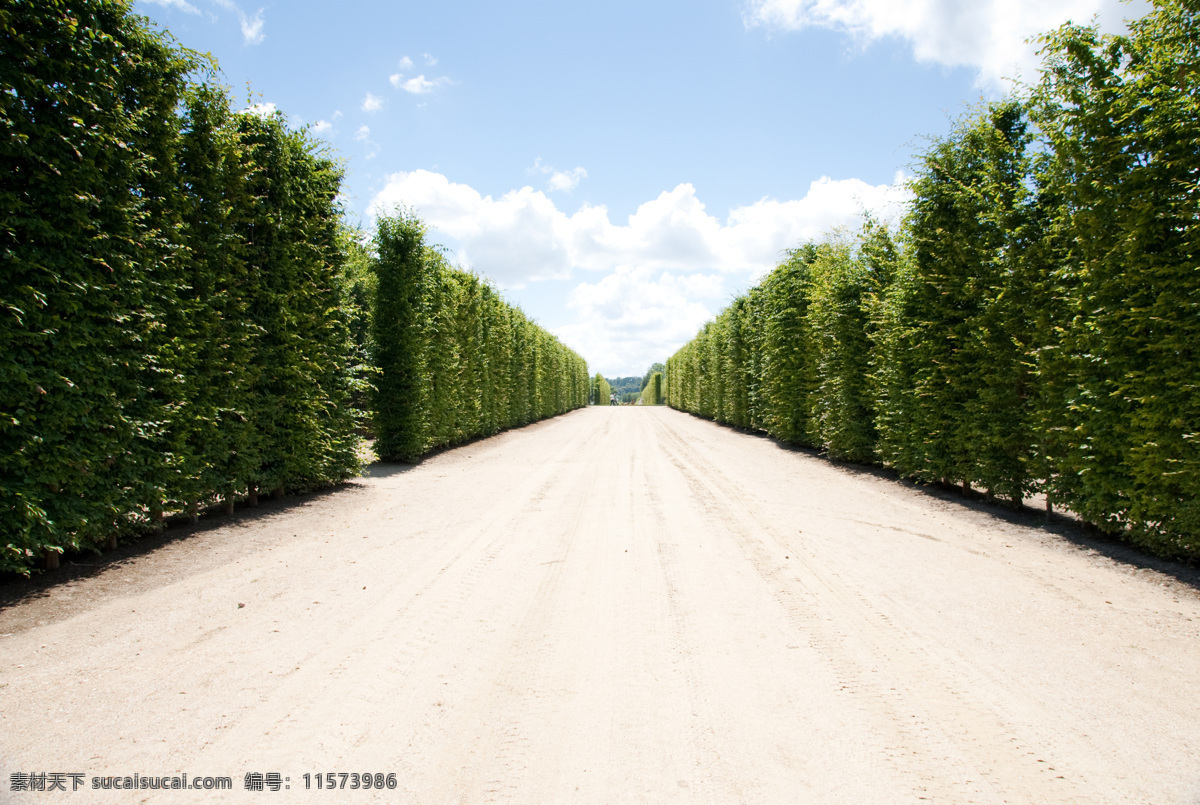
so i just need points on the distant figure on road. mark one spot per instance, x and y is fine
(612, 398)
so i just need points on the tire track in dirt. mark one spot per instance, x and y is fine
(620, 605)
(946, 724)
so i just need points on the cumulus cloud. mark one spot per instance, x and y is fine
(363, 133)
(419, 85)
(372, 103)
(321, 126)
(522, 236)
(252, 27)
(986, 35)
(653, 279)
(565, 181)
(634, 317)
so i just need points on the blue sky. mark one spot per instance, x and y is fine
(621, 170)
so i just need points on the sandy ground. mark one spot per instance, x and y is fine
(618, 605)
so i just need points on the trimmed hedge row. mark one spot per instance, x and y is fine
(601, 391)
(455, 360)
(1035, 327)
(169, 296)
(652, 394)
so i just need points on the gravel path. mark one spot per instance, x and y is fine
(617, 605)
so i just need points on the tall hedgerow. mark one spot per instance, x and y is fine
(843, 421)
(173, 329)
(600, 391)
(293, 246)
(967, 306)
(1034, 326)
(87, 134)
(398, 409)
(652, 393)
(787, 368)
(793, 356)
(215, 442)
(1120, 117)
(454, 360)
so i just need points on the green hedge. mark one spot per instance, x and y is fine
(455, 361)
(652, 394)
(1119, 419)
(1035, 327)
(963, 413)
(601, 391)
(169, 297)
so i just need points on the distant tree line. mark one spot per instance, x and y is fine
(1033, 326)
(625, 386)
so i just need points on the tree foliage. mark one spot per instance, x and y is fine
(600, 391)
(652, 392)
(169, 302)
(455, 361)
(966, 314)
(1033, 327)
(1121, 118)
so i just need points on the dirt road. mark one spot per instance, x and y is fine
(618, 605)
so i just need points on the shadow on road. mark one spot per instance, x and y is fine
(386, 469)
(79, 566)
(1064, 526)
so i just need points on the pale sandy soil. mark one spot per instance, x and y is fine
(618, 605)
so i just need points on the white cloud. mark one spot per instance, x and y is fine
(396, 80)
(986, 35)
(565, 181)
(252, 27)
(515, 239)
(182, 5)
(420, 85)
(430, 61)
(372, 103)
(634, 317)
(522, 236)
(321, 126)
(337, 114)
(406, 63)
(658, 276)
(363, 135)
(261, 109)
